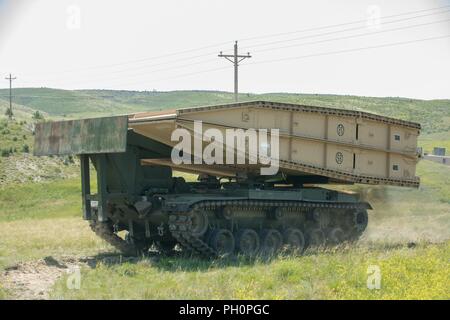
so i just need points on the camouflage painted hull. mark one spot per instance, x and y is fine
(246, 213)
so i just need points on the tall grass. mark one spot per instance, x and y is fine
(43, 219)
(419, 273)
(56, 199)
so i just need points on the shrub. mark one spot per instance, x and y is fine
(25, 148)
(68, 160)
(5, 153)
(37, 115)
(8, 112)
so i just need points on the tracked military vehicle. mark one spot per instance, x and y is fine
(140, 202)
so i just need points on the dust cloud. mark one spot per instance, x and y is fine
(405, 215)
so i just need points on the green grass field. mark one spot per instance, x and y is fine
(408, 236)
(43, 219)
(419, 273)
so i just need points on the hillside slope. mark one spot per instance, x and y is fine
(17, 164)
(16, 137)
(434, 115)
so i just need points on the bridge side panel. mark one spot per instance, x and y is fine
(86, 136)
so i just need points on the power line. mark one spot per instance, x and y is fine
(295, 45)
(160, 79)
(298, 58)
(169, 68)
(146, 66)
(182, 75)
(269, 43)
(10, 78)
(351, 50)
(147, 59)
(182, 66)
(354, 36)
(219, 44)
(339, 31)
(264, 50)
(269, 49)
(146, 72)
(338, 24)
(235, 58)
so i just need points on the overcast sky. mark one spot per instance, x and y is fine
(173, 45)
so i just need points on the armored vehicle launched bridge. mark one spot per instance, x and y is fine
(233, 207)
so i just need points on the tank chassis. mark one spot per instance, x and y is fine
(247, 215)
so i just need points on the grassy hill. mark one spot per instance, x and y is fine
(434, 115)
(17, 164)
(16, 140)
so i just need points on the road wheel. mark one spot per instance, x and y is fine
(295, 240)
(199, 224)
(222, 241)
(271, 241)
(336, 236)
(316, 237)
(247, 242)
(360, 220)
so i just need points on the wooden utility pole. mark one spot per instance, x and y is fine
(10, 78)
(235, 59)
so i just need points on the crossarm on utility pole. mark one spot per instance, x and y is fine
(236, 58)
